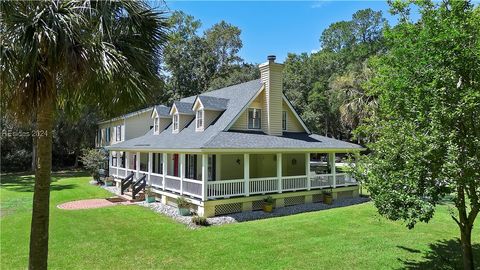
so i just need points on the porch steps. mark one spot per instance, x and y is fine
(128, 196)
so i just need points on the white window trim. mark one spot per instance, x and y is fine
(156, 125)
(284, 113)
(200, 113)
(248, 118)
(176, 123)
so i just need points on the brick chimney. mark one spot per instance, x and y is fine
(271, 76)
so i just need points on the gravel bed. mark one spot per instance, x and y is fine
(111, 189)
(172, 212)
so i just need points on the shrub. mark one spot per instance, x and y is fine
(182, 202)
(268, 200)
(93, 160)
(201, 221)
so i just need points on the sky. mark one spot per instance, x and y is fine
(276, 27)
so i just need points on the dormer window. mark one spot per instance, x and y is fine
(156, 125)
(254, 118)
(200, 120)
(175, 122)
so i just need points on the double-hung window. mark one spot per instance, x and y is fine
(254, 118)
(191, 166)
(118, 133)
(114, 159)
(107, 134)
(175, 122)
(156, 125)
(199, 118)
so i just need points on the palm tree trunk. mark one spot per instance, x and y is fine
(34, 154)
(41, 197)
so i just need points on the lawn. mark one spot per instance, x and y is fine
(133, 237)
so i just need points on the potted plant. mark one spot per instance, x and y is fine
(327, 197)
(149, 195)
(183, 206)
(268, 204)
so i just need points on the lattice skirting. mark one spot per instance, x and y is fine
(317, 198)
(257, 205)
(229, 208)
(294, 200)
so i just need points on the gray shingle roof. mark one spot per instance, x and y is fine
(213, 103)
(162, 110)
(215, 136)
(184, 107)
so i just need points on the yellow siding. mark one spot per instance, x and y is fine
(230, 169)
(209, 117)
(293, 124)
(257, 103)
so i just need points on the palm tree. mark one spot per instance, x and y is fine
(60, 55)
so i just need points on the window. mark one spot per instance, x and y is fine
(284, 120)
(157, 163)
(156, 125)
(144, 162)
(175, 122)
(200, 119)
(107, 132)
(118, 133)
(212, 162)
(114, 159)
(122, 160)
(254, 118)
(191, 166)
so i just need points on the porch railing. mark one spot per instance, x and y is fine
(321, 181)
(237, 187)
(192, 187)
(225, 188)
(156, 180)
(230, 188)
(173, 183)
(292, 183)
(263, 185)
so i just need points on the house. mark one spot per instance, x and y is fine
(125, 127)
(226, 150)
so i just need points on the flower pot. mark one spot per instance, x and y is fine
(327, 199)
(184, 211)
(267, 207)
(150, 199)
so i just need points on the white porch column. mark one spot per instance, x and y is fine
(137, 165)
(182, 172)
(204, 177)
(246, 173)
(307, 170)
(164, 168)
(331, 159)
(127, 162)
(279, 172)
(149, 167)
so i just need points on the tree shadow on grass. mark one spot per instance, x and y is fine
(444, 254)
(26, 183)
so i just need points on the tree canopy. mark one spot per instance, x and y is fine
(427, 130)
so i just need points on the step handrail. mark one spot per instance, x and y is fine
(138, 185)
(126, 182)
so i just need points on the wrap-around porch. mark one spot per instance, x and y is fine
(205, 176)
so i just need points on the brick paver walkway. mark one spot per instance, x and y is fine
(92, 203)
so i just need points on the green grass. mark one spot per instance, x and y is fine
(133, 237)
